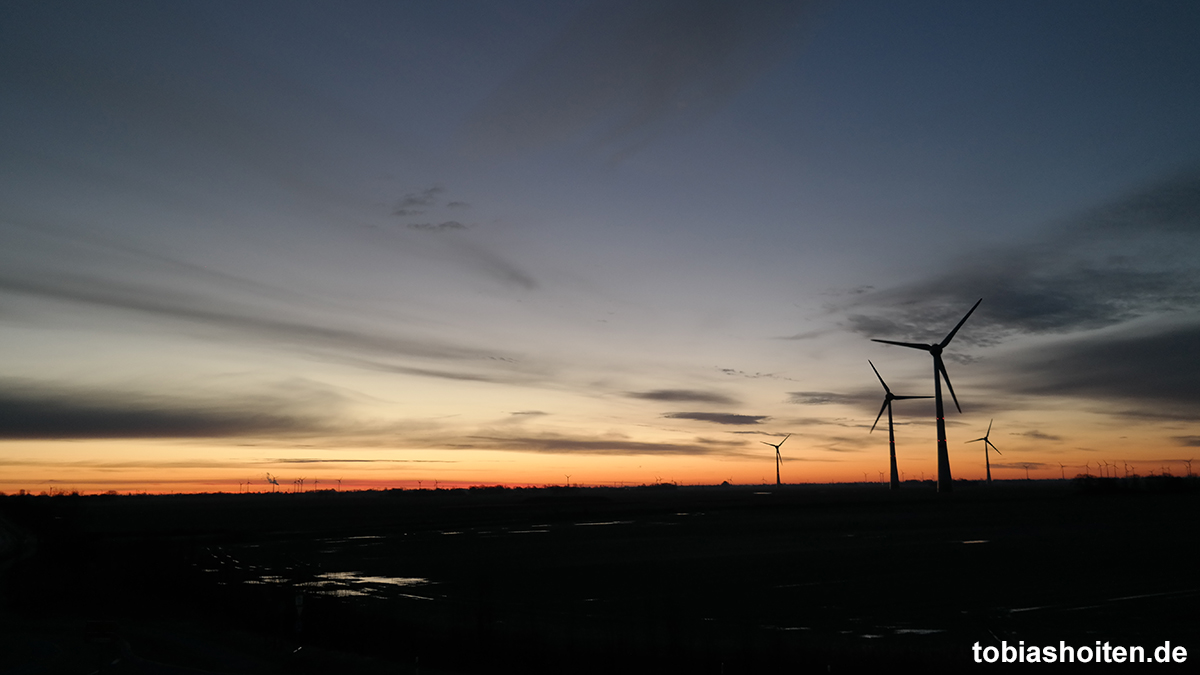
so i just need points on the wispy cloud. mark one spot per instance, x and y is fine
(418, 200)
(437, 227)
(30, 410)
(826, 398)
(717, 418)
(1135, 257)
(263, 322)
(683, 396)
(1034, 433)
(1146, 369)
(606, 445)
(624, 72)
(734, 372)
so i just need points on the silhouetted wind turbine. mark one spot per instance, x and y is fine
(986, 443)
(887, 405)
(939, 371)
(778, 457)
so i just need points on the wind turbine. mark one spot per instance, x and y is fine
(939, 371)
(778, 457)
(887, 404)
(986, 443)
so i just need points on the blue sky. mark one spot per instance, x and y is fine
(537, 236)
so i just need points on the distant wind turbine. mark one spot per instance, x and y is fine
(986, 443)
(939, 371)
(887, 405)
(778, 457)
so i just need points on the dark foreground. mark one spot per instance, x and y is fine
(696, 580)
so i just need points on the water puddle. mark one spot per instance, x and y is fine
(351, 584)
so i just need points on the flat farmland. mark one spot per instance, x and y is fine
(730, 579)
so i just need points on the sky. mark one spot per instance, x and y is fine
(400, 244)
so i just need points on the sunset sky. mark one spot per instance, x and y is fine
(508, 242)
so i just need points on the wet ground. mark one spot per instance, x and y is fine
(697, 580)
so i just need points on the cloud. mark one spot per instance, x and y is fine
(733, 372)
(1023, 465)
(717, 418)
(439, 227)
(1152, 370)
(825, 398)
(682, 396)
(457, 205)
(1188, 441)
(533, 413)
(424, 198)
(612, 445)
(624, 72)
(1135, 257)
(30, 411)
(248, 322)
(1037, 435)
(311, 460)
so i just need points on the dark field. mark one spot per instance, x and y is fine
(696, 580)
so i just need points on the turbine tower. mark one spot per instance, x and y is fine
(778, 457)
(939, 371)
(887, 404)
(986, 443)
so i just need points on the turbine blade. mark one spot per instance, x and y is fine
(885, 387)
(941, 366)
(903, 344)
(975, 440)
(784, 440)
(989, 431)
(885, 405)
(902, 398)
(766, 443)
(960, 323)
(995, 448)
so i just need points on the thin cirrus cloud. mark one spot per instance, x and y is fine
(192, 307)
(624, 72)
(1136, 256)
(34, 411)
(592, 445)
(826, 398)
(1035, 434)
(717, 418)
(682, 396)
(1150, 371)
(1118, 287)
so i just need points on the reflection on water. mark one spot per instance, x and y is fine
(607, 522)
(351, 584)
